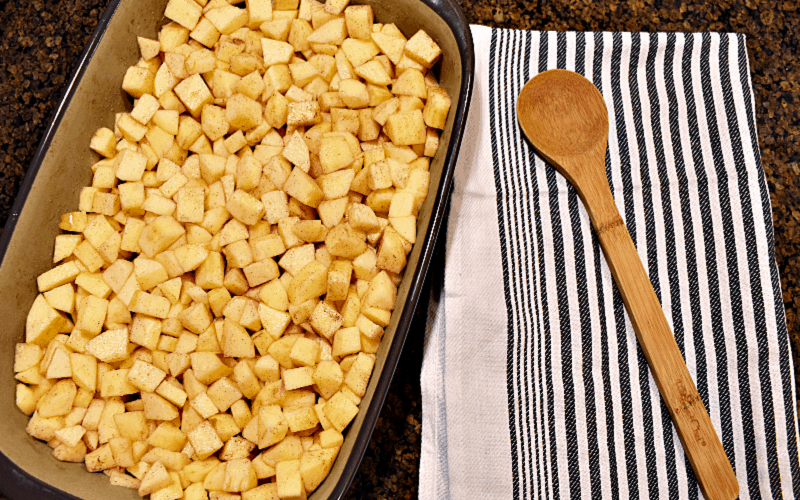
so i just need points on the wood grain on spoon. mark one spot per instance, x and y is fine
(565, 118)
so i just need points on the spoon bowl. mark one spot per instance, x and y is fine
(565, 118)
(560, 108)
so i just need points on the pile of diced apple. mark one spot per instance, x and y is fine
(220, 294)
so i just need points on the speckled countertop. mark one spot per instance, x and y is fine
(40, 42)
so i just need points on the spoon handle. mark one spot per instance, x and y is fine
(700, 441)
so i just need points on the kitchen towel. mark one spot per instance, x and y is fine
(533, 383)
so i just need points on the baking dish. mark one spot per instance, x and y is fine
(60, 169)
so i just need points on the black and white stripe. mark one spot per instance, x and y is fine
(585, 417)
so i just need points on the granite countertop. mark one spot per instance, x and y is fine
(40, 42)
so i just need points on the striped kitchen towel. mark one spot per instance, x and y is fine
(533, 382)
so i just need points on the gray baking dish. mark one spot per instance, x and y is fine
(60, 168)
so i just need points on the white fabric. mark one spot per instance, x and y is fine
(475, 409)
(533, 385)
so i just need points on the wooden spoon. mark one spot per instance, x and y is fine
(565, 118)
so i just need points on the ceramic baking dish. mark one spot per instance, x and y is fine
(60, 169)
